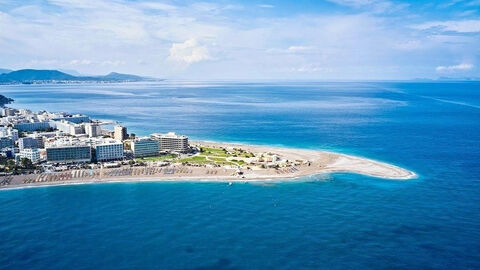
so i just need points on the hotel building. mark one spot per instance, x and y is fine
(108, 150)
(93, 129)
(171, 142)
(31, 126)
(31, 153)
(75, 118)
(28, 142)
(69, 153)
(6, 142)
(120, 133)
(69, 127)
(145, 147)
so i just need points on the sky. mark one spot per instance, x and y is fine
(227, 39)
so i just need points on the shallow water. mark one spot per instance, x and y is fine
(343, 221)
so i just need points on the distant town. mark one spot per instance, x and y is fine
(62, 138)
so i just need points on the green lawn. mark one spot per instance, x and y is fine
(195, 159)
(218, 156)
(210, 151)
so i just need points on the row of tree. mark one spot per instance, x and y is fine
(10, 166)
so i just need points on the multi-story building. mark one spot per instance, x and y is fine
(8, 111)
(39, 138)
(28, 143)
(93, 129)
(69, 127)
(31, 153)
(75, 118)
(171, 142)
(6, 142)
(13, 133)
(145, 147)
(75, 153)
(9, 132)
(3, 132)
(120, 133)
(108, 150)
(25, 112)
(31, 126)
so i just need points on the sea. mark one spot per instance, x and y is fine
(335, 221)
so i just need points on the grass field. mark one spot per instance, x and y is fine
(210, 151)
(195, 159)
(209, 155)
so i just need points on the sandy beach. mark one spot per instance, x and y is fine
(307, 163)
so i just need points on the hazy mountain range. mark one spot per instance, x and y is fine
(41, 76)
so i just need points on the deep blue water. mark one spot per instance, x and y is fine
(342, 221)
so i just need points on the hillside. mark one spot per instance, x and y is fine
(4, 70)
(39, 76)
(4, 100)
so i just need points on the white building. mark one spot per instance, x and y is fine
(93, 129)
(8, 131)
(31, 153)
(13, 133)
(8, 111)
(120, 133)
(69, 127)
(108, 149)
(171, 142)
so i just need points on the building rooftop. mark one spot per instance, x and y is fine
(169, 135)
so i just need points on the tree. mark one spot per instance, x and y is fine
(11, 165)
(3, 160)
(26, 163)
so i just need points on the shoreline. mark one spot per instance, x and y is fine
(319, 163)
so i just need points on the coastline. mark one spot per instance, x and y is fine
(319, 163)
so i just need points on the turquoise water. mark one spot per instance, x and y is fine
(341, 221)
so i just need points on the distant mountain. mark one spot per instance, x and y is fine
(4, 70)
(458, 79)
(4, 100)
(35, 75)
(70, 72)
(42, 76)
(121, 77)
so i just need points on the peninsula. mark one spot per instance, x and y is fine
(46, 148)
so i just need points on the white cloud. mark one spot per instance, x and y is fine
(291, 50)
(188, 52)
(148, 38)
(463, 26)
(266, 6)
(454, 68)
(299, 48)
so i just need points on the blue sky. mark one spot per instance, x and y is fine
(302, 39)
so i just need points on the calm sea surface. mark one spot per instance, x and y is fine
(340, 221)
